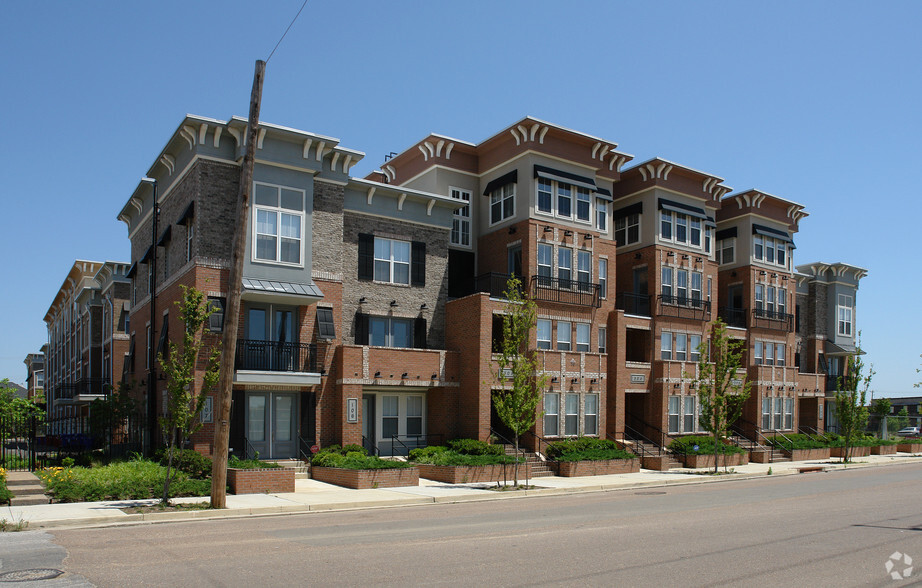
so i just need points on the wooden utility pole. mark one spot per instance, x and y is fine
(232, 311)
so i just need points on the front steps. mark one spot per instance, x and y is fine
(27, 489)
(301, 468)
(537, 467)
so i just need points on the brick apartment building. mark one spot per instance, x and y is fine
(372, 306)
(35, 376)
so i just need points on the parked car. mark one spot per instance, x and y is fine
(908, 432)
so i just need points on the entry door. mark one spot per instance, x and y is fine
(641, 300)
(514, 262)
(369, 433)
(272, 425)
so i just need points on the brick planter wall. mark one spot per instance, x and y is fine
(910, 447)
(261, 480)
(807, 454)
(659, 463)
(366, 479)
(883, 450)
(760, 456)
(855, 452)
(466, 474)
(707, 461)
(597, 468)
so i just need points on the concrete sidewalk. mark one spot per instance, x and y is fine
(314, 496)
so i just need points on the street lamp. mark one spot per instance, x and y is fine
(151, 354)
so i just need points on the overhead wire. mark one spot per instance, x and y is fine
(286, 31)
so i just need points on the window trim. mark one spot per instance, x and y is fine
(585, 344)
(500, 192)
(462, 216)
(391, 261)
(564, 330)
(544, 344)
(278, 210)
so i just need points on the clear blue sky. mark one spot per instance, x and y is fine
(816, 102)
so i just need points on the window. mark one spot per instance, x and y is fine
(279, 220)
(757, 247)
(694, 344)
(707, 240)
(845, 314)
(782, 301)
(551, 415)
(769, 250)
(681, 342)
(760, 297)
(627, 229)
(414, 415)
(770, 300)
(769, 350)
(666, 345)
(667, 282)
(688, 415)
(766, 413)
(695, 232)
(390, 332)
(571, 419)
(591, 420)
(582, 204)
(696, 278)
(392, 261)
(757, 352)
(502, 203)
(543, 329)
(461, 219)
(390, 416)
(779, 354)
(777, 413)
(563, 336)
(603, 335)
(583, 269)
(681, 228)
(564, 266)
(326, 330)
(788, 413)
(582, 336)
(190, 234)
(675, 405)
(545, 195)
(601, 215)
(545, 257)
(681, 287)
(564, 200)
(725, 251)
(603, 278)
(665, 231)
(216, 320)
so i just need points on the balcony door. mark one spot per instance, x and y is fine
(272, 424)
(272, 338)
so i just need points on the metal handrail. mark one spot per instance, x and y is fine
(625, 447)
(522, 451)
(642, 438)
(566, 291)
(630, 303)
(275, 356)
(247, 448)
(305, 456)
(734, 317)
(396, 439)
(374, 448)
(541, 441)
(759, 437)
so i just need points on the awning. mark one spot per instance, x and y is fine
(726, 233)
(188, 214)
(842, 349)
(510, 178)
(146, 256)
(681, 208)
(710, 222)
(132, 270)
(770, 232)
(273, 287)
(165, 237)
(636, 208)
(567, 178)
(603, 194)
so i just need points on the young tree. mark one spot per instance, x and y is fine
(851, 410)
(902, 418)
(881, 408)
(721, 393)
(184, 402)
(16, 414)
(521, 384)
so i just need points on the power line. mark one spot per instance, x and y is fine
(286, 32)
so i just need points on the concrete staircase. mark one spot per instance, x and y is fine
(537, 467)
(756, 447)
(27, 489)
(301, 468)
(651, 456)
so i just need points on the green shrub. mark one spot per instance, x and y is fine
(5, 494)
(798, 441)
(118, 481)
(250, 464)
(475, 447)
(424, 454)
(834, 440)
(355, 460)
(350, 448)
(705, 444)
(586, 449)
(187, 460)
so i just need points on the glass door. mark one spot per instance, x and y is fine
(272, 425)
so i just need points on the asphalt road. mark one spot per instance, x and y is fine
(824, 529)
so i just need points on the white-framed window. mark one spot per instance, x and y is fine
(694, 351)
(390, 332)
(766, 413)
(665, 225)
(782, 301)
(545, 196)
(603, 339)
(845, 314)
(582, 336)
(390, 416)
(779, 354)
(769, 350)
(689, 414)
(568, 201)
(591, 420)
(769, 250)
(696, 279)
(461, 219)
(414, 415)
(502, 203)
(725, 251)
(564, 266)
(788, 413)
(760, 297)
(707, 239)
(564, 336)
(757, 353)
(601, 214)
(681, 346)
(545, 263)
(627, 229)
(551, 414)
(666, 345)
(278, 224)
(583, 268)
(583, 205)
(674, 414)
(571, 416)
(543, 330)
(777, 413)
(190, 235)
(564, 200)
(695, 232)
(666, 282)
(603, 278)
(392, 261)
(681, 286)
(770, 300)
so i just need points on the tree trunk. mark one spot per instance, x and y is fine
(515, 467)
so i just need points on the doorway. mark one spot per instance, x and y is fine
(272, 424)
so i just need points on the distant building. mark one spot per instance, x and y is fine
(35, 376)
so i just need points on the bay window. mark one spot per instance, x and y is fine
(278, 217)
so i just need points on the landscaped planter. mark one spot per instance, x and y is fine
(701, 460)
(466, 474)
(760, 456)
(854, 452)
(910, 447)
(659, 463)
(808, 454)
(365, 479)
(883, 450)
(597, 468)
(260, 480)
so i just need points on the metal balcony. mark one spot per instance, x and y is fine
(773, 320)
(494, 284)
(683, 307)
(636, 304)
(734, 317)
(275, 356)
(84, 387)
(564, 291)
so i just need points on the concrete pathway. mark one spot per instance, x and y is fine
(314, 496)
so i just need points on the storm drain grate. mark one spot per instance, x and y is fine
(649, 493)
(30, 575)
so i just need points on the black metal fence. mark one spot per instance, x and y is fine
(31, 443)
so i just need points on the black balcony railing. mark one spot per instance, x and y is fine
(275, 356)
(84, 387)
(493, 283)
(636, 304)
(734, 317)
(683, 307)
(771, 319)
(566, 291)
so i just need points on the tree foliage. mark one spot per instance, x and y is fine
(185, 400)
(721, 391)
(520, 381)
(16, 413)
(851, 409)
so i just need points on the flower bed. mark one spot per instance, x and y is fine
(260, 480)
(452, 474)
(465, 460)
(596, 467)
(366, 479)
(853, 452)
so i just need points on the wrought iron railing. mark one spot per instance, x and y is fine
(566, 291)
(772, 319)
(408, 442)
(636, 304)
(84, 387)
(495, 284)
(275, 356)
(683, 307)
(734, 317)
